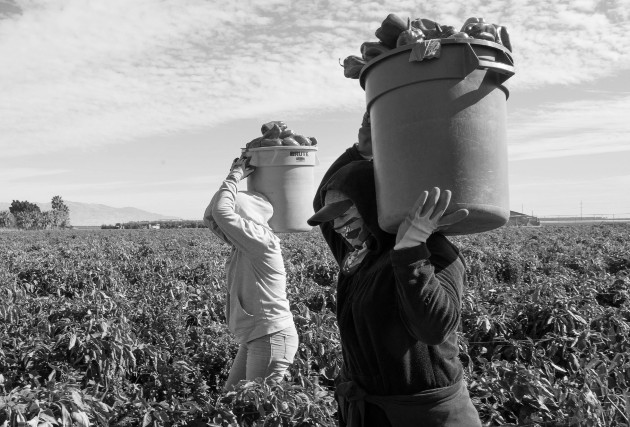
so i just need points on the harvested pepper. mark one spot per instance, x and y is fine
(459, 35)
(352, 66)
(270, 142)
(423, 24)
(473, 20)
(302, 140)
(410, 36)
(479, 29)
(390, 29)
(267, 126)
(445, 31)
(503, 37)
(254, 143)
(370, 50)
(272, 132)
(286, 133)
(288, 141)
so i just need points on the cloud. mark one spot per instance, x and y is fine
(87, 73)
(21, 174)
(570, 129)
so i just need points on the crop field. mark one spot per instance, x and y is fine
(126, 328)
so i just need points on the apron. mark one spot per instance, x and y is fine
(443, 407)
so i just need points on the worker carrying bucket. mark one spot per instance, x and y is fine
(437, 107)
(284, 162)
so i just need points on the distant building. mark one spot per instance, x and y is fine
(522, 220)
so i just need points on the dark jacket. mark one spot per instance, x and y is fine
(399, 312)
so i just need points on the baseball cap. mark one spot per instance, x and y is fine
(335, 204)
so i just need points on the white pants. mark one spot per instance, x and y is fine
(265, 357)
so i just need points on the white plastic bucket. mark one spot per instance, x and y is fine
(285, 175)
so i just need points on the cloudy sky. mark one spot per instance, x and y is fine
(145, 103)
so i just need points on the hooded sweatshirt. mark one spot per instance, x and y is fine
(256, 303)
(398, 314)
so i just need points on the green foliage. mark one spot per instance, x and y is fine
(28, 216)
(60, 213)
(29, 220)
(126, 328)
(285, 404)
(7, 220)
(546, 325)
(58, 204)
(23, 206)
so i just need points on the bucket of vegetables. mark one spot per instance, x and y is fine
(284, 162)
(437, 108)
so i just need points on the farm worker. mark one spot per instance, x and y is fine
(398, 302)
(257, 308)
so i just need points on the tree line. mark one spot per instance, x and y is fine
(25, 215)
(152, 224)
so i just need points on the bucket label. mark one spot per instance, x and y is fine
(298, 154)
(426, 49)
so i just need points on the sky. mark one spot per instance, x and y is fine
(145, 103)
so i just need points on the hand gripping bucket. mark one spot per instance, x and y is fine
(440, 122)
(285, 175)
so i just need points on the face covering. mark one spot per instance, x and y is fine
(353, 230)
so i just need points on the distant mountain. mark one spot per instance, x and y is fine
(93, 214)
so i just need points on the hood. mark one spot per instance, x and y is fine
(253, 206)
(356, 180)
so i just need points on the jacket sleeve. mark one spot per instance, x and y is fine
(336, 243)
(246, 235)
(209, 221)
(429, 286)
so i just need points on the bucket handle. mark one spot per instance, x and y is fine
(503, 66)
(504, 70)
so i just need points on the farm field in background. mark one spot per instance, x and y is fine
(126, 328)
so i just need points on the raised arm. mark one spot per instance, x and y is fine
(209, 221)
(245, 234)
(429, 271)
(429, 284)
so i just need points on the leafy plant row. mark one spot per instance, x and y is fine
(126, 328)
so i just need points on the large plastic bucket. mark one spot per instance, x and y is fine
(285, 175)
(441, 122)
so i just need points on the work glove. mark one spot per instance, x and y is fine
(425, 217)
(240, 168)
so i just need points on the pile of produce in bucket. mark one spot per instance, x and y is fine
(277, 134)
(284, 162)
(395, 32)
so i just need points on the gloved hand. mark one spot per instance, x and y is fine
(241, 168)
(425, 217)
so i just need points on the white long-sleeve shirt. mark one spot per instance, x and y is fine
(257, 303)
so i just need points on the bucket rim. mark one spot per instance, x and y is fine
(283, 148)
(408, 47)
